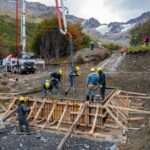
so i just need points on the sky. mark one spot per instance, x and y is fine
(104, 10)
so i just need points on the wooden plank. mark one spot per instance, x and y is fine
(3, 107)
(50, 115)
(39, 111)
(114, 93)
(136, 118)
(8, 115)
(32, 109)
(62, 116)
(116, 119)
(71, 129)
(132, 93)
(12, 104)
(95, 120)
(129, 109)
(134, 97)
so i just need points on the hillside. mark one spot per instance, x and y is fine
(35, 11)
(8, 34)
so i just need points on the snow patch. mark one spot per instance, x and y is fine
(127, 27)
(103, 29)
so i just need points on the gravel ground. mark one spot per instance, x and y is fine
(11, 140)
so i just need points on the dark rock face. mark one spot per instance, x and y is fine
(115, 27)
(91, 23)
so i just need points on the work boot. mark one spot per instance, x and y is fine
(92, 99)
(87, 97)
(66, 93)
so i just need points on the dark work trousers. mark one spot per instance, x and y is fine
(72, 84)
(23, 123)
(102, 91)
(55, 83)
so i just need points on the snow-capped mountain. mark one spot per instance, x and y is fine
(105, 29)
(117, 27)
(117, 31)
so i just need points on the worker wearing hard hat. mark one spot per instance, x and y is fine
(56, 78)
(102, 81)
(46, 86)
(22, 112)
(75, 72)
(92, 82)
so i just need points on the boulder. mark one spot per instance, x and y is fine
(87, 55)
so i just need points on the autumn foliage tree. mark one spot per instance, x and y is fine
(49, 42)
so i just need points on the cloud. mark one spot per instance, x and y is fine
(105, 10)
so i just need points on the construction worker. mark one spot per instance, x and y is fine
(55, 78)
(22, 112)
(46, 87)
(91, 82)
(146, 40)
(102, 81)
(92, 45)
(75, 72)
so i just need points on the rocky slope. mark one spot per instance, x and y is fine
(35, 11)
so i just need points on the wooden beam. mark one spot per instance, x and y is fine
(39, 111)
(132, 93)
(3, 107)
(135, 97)
(95, 120)
(10, 106)
(62, 116)
(50, 115)
(129, 109)
(114, 93)
(32, 109)
(71, 129)
(116, 119)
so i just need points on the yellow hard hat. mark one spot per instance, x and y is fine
(92, 69)
(77, 68)
(22, 99)
(99, 69)
(60, 71)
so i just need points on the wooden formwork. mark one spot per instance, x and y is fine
(105, 119)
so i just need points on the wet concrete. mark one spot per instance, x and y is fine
(12, 140)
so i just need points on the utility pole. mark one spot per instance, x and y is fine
(23, 25)
(17, 26)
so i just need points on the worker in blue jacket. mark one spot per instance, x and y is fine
(22, 113)
(91, 82)
(72, 79)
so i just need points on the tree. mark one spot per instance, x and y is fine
(138, 33)
(49, 42)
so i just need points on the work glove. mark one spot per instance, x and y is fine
(1, 122)
(100, 86)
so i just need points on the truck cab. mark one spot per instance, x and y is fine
(26, 63)
(23, 63)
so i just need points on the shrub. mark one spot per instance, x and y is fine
(111, 46)
(139, 49)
